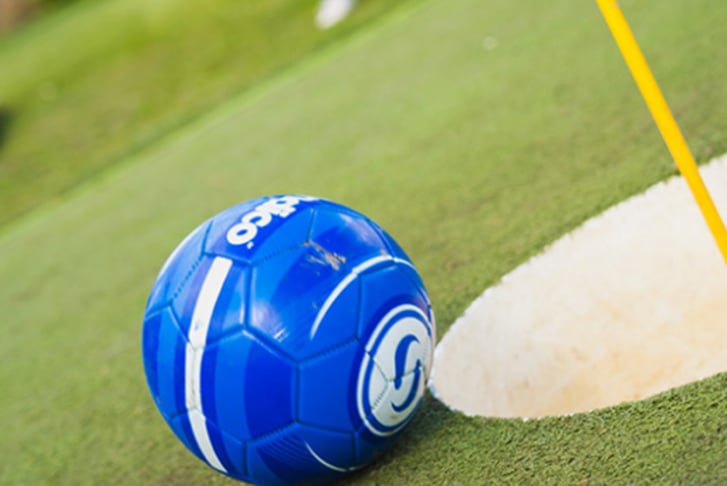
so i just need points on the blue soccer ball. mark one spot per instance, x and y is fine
(288, 339)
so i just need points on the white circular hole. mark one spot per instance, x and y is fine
(630, 304)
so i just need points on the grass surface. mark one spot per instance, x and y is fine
(94, 83)
(473, 158)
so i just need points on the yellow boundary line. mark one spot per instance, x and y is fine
(663, 117)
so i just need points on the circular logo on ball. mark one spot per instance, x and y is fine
(394, 369)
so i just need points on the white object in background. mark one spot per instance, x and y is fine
(330, 12)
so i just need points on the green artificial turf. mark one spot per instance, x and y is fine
(92, 84)
(678, 437)
(473, 158)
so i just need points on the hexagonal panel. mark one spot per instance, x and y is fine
(247, 388)
(345, 235)
(302, 302)
(328, 388)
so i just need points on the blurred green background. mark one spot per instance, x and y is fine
(89, 85)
